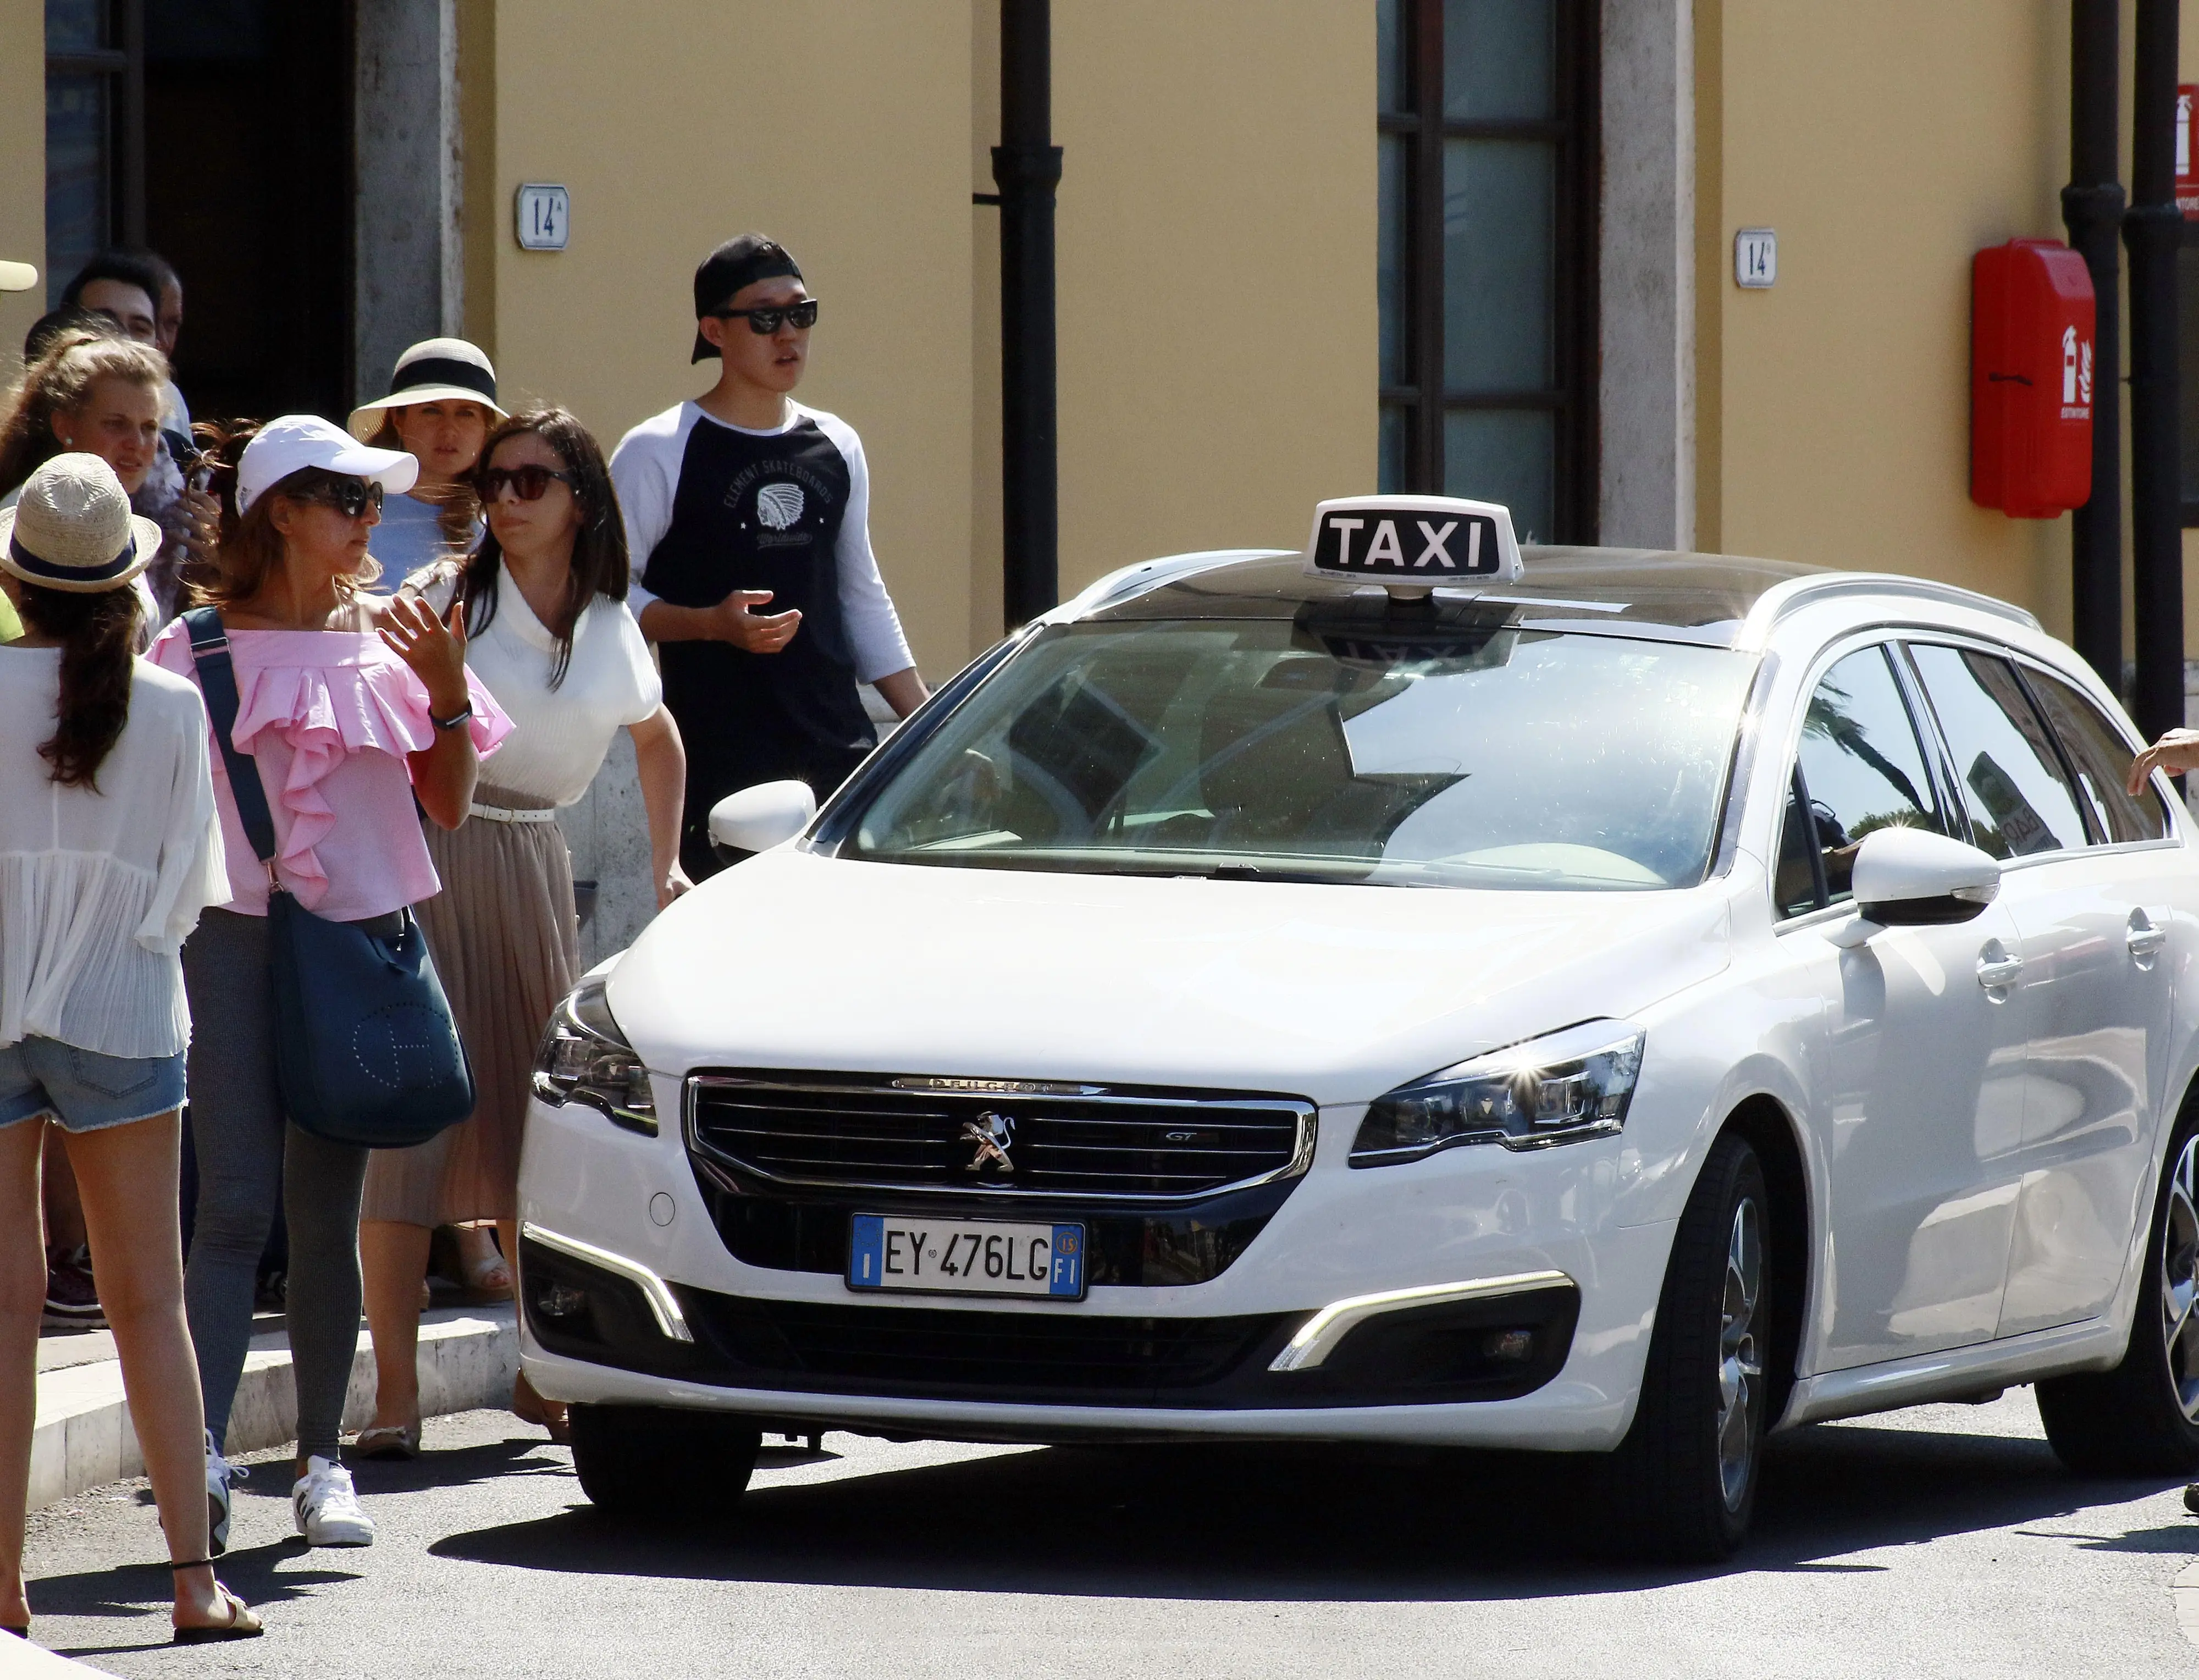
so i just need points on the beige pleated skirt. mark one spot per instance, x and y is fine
(506, 939)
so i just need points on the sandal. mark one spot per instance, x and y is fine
(242, 1623)
(389, 1440)
(528, 1406)
(488, 1278)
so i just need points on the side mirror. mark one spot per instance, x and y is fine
(758, 818)
(1909, 877)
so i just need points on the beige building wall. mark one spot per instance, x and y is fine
(23, 179)
(1887, 142)
(839, 127)
(1216, 244)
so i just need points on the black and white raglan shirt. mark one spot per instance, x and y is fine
(711, 508)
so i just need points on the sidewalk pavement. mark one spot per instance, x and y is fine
(83, 1436)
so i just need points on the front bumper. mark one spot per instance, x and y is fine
(1168, 1361)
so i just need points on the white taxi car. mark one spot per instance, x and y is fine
(1589, 1000)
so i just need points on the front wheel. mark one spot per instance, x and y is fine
(657, 1461)
(2142, 1418)
(1686, 1474)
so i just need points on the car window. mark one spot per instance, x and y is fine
(2020, 802)
(1794, 881)
(1346, 745)
(2102, 761)
(1861, 763)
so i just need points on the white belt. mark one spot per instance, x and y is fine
(505, 814)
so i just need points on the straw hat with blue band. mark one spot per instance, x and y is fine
(72, 530)
(436, 369)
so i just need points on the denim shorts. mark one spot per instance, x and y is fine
(82, 1089)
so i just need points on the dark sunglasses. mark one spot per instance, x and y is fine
(350, 497)
(765, 322)
(530, 481)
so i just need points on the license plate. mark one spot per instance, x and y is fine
(965, 1257)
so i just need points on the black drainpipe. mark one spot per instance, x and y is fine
(2153, 229)
(2093, 210)
(1027, 167)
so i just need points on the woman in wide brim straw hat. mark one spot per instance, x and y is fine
(109, 850)
(441, 403)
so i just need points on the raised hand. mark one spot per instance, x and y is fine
(435, 647)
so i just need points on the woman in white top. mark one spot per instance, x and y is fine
(550, 637)
(110, 848)
(441, 403)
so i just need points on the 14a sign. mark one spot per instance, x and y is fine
(544, 216)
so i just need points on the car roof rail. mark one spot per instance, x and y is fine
(1127, 582)
(1784, 599)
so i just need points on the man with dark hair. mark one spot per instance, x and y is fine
(744, 497)
(141, 293)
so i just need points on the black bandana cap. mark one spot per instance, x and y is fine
(740, 261)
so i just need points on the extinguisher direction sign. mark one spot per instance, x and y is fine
(1755, 258)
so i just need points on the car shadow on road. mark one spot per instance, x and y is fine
(1275, 1523)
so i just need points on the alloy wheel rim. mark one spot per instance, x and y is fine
(1741, 1367)
(2179, 1278)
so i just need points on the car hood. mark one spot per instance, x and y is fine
(793, 960)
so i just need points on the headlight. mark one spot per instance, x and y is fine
(1559, 1089)
(586, 1060)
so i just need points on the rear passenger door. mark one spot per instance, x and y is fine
(2086, 877)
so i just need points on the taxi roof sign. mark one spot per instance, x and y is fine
(1414, 542)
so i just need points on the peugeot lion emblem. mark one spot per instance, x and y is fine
(993, 1132)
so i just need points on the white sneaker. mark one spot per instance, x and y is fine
(219, 1473)
(326, 1509)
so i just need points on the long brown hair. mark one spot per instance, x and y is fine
(98, 633)
(249, 546)
(599, 558)
(59, 382)
(456, 507)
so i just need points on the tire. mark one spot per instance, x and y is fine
(2142, 1418)
(1686, 1475)
(660, 1461)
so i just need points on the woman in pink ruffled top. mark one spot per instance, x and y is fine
(354, 706)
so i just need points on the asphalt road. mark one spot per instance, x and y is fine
(1939, 1540)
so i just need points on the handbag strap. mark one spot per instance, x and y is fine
(218, 682)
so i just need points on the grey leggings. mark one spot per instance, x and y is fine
(248, 1156)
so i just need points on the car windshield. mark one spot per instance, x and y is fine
(1456, 752)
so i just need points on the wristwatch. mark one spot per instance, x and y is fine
(454, 720)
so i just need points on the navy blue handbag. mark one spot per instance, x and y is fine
(366, 1052)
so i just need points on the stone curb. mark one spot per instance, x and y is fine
(83, 1436)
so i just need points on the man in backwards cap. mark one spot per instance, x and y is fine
(745, 499)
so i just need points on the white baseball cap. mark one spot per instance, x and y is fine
(292, 442)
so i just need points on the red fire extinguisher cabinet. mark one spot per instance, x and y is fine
(2031, 379)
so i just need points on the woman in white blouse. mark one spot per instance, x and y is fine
(551, 637)
(110, 848)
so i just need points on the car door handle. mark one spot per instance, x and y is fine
(2144, 939)
(1994, 972)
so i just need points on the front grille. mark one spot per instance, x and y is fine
(1060, 1140)
(921, 1350)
